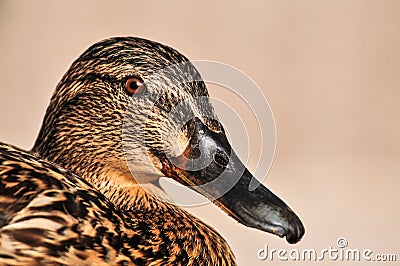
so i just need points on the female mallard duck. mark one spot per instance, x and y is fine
(73, 199)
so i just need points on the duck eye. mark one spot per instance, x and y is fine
(134, 86)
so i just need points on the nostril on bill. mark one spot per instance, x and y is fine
(221, 158)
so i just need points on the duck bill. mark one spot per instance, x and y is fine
(261, 209)
(210, 167)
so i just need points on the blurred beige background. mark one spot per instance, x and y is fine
(330, 70)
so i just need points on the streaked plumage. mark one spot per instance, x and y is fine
(49, 215)
(72, 200)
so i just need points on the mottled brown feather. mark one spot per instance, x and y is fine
(53, 217)
(93, 213)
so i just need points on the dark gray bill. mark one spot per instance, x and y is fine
(210, 167)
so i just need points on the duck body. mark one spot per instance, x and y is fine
(49, 216)
(88, 193)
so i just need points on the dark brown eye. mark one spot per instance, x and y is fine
(134, 86)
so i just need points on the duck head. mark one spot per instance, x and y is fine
(130, 111)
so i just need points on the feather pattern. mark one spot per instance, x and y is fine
(72, 200)
(49, 216)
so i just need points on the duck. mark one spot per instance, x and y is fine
(88, 192)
